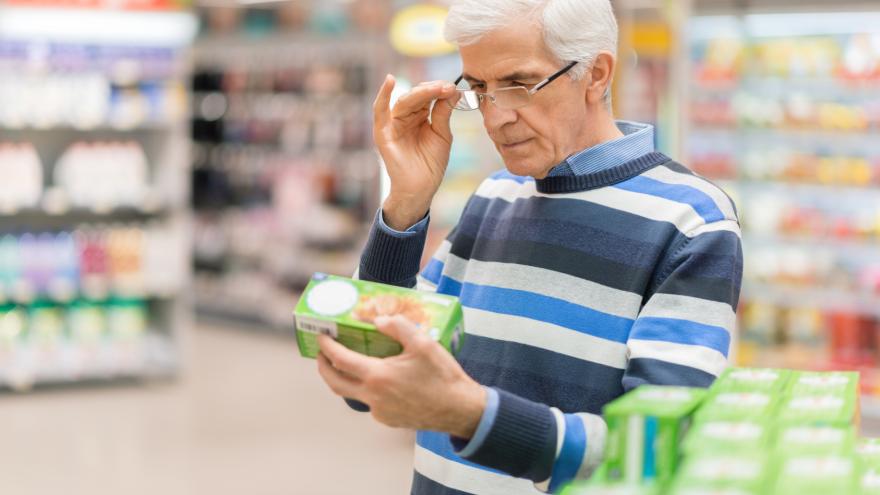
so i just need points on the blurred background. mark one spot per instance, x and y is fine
(173, 174)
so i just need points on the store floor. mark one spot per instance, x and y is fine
(249, 416)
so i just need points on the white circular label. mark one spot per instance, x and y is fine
(724, 468)
(824, 380)
(332, 297)
(821, 402)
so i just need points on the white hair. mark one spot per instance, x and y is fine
(574, 30)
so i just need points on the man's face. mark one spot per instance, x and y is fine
(535, 138)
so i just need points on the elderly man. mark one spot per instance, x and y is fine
(591, 265)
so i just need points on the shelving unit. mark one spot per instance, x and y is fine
(286, 181)
(94, 265)
(782, 113)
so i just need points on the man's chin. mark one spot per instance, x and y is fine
(523, 168)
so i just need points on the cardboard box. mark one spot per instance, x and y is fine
(868, 451)
(829, 409)
(345, 309)
(645, 430)
(815, 439)
(736, 406)
(723, 473)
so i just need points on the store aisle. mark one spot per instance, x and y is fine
(249, 416)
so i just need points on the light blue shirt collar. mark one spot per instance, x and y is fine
(637, 140)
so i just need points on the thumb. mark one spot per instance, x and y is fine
(398, 328)
(442, 111)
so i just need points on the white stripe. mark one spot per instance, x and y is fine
(545, 282)
(694, 356)
(466, 478)
(425, 285)
(442, 251)
(681, 215)
(545, 336)
(357, 273)
(725, 225)
(689, 308)
(668, 176)
(597, 432)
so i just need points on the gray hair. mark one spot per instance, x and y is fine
(574, 30)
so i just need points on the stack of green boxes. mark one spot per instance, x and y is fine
(755, 432)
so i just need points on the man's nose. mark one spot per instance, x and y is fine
(494, 118)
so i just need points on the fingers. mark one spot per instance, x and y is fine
(344, 359)
(442, 112)
(399, 329)
(382, 103)
(420, 98)
(339, 383)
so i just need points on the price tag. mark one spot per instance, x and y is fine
(318, 327)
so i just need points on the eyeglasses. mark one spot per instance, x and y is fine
(504, 98)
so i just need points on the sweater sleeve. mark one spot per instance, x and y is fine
(683, 333)
(390, 256)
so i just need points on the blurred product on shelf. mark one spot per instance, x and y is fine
(22, 173)
(93, 262)
(103, 175)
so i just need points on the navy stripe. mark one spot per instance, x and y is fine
(642, 370)
(547, 309)
(568, 383)
(681, 332)
(611, 224)
(422, 485)
(555, 258)
(701, 202)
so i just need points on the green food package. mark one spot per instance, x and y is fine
(868, 451)
(752, 380)
(739, 473)
(815, 439)
(735, 406)
(869, 481)
(829, 409)
(727, 436)
(817, 475)
(841, 383)
(345, 309)
(645, 430)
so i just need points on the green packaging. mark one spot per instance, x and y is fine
(829, 409)
(841, 383)
(752, 380)
(345, 309)
(722, 473)
(868, 451)
(726, 436)
(869, 481)
(815, 439)
(817, 475)
(645, 430)
(735, 406)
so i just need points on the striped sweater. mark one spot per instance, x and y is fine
(576, 289)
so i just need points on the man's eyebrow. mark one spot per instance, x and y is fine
(513, 76)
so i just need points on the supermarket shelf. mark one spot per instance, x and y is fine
(870, 407)
(799, 188)
(42, 218)
(150, 127)
(864, 303)
(866, 247)
(156, 357)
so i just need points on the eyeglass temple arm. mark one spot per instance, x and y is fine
(459, 80)
(553, 77)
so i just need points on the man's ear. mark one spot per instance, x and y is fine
(602, 73)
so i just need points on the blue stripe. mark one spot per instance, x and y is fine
(572, 454)
(439, 444)
(649, 459)
(449, 286)
(503, 174)
(547, 309)
(433, 271)
(681, 332)
(701, 202)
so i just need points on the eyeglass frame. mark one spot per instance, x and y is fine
(491, 94)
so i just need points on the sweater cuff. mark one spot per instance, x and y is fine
(393, 257)
(467, 448)
(521, 441)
